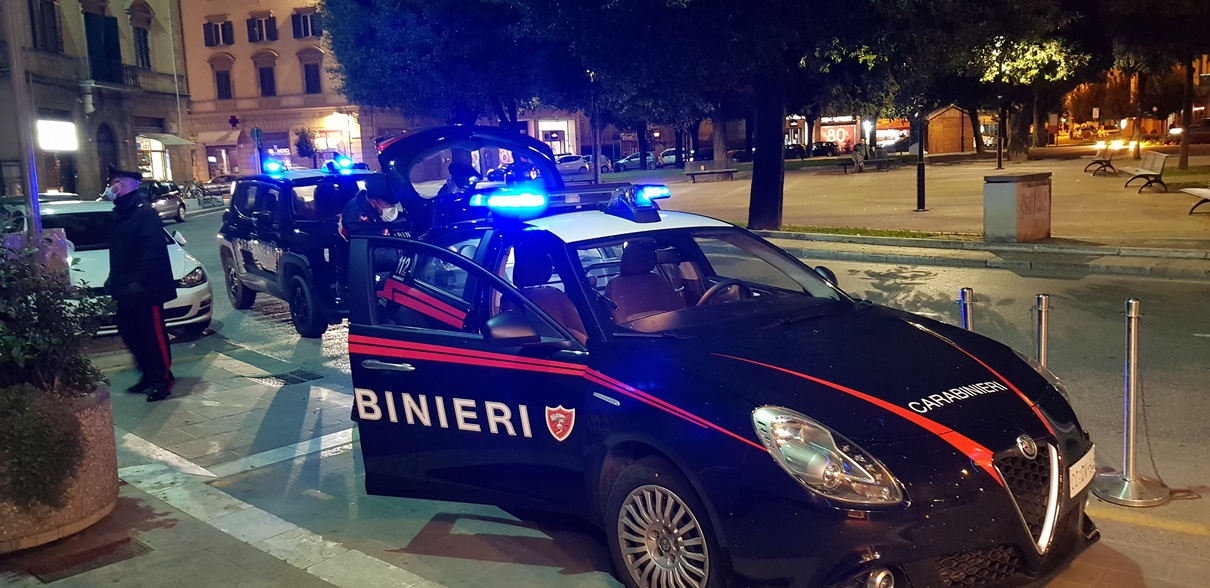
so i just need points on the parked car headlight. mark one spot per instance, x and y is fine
(196, 277)
(1046, 373)
(824, 461)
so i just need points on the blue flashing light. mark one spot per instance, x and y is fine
(646, 195)
(519, 201)
(344, 162)
(273, 167)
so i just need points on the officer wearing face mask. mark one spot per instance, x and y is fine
(140, 282)
(376, 211)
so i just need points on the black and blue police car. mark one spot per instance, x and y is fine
(724, 412)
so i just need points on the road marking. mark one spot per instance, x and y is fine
(1202, 335)
(1135, 518)
(175, 481)
(291, 451)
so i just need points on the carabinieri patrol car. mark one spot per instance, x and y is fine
(724, 412)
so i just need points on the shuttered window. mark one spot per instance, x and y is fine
(46, 22)
(262, 29)
(306, 24)
(219, 33)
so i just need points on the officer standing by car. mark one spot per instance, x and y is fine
(376, 211)
(140, 282)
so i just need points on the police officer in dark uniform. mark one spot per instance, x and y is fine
(140, 282)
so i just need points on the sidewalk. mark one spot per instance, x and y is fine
(1097, 226)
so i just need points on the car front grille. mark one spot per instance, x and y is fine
(1029, 482)
(980, 566)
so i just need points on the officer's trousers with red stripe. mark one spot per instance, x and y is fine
(142, 329)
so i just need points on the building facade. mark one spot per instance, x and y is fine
(108, 87)
(262, 65)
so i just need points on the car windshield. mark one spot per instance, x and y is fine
(664, 281)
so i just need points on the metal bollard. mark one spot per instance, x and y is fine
(966, 299)
(1127, 488)
(1042, 324)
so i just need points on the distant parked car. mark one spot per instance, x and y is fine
(572, 165)
(824, 149)
(518, 171)
(632, 161)
(668, 156)
(165, 198)
(740, 154)
(796, 151)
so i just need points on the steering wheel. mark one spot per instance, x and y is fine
(719, 287)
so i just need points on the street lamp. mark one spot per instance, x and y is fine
(868, 126)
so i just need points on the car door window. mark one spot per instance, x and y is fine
(440, 290)
(246, 195)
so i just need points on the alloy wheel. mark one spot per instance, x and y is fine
(299, 305)
(233, 285)
(661, 541)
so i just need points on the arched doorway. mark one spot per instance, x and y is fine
(107, 148)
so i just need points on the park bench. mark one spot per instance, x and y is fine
(1152, 170)
(1103, 161)
(711, 172)
(1202, 193)
(880, 164)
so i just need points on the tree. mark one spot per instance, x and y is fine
(304, 145)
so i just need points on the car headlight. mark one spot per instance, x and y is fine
(823, 460)
(196, 277)
(1050, 376)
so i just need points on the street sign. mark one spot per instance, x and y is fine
(1096, 113)
(257, 134)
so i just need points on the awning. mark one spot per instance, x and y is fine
(214, 138)
(166, 139)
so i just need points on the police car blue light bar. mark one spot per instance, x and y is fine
(510, 200)
(273, 167)
(646, 194)
(344, 162)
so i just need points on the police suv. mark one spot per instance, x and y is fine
(280, 236)
(724, 412)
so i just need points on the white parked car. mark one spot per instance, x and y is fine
(579, 164)
(87, 227)
(632, 161)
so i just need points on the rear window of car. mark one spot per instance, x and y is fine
(324, 200)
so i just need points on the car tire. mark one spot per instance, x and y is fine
(303, 311)
(584, 170)
(180, 213)
(651, 165)
(685, 548)
(238, 293)
(604, 169)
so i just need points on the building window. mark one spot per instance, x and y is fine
(306, 24)
(222, 63)
(268, 81)
(311, 79)
(47, 25)
(262, 28)
(219, 33)
(222, 84)
(142, 48)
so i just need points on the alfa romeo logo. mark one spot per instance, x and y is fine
(1027, 446)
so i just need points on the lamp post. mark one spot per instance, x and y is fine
(25, 123)
(1000, 128)
(922, 127)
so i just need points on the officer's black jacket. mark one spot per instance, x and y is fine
(360, 218)
(140, 272)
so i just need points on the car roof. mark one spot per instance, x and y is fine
(587, 225)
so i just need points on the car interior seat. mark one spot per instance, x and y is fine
(638, 291)
(532, 270)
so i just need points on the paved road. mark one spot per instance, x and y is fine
(464, 545)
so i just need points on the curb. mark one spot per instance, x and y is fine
(207, 211)
(1047, 248)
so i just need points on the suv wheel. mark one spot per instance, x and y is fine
(659, 531)
(651, 165)
(303, 311)
(241, 296)
(180, 213)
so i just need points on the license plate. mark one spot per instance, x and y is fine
(1081, 473)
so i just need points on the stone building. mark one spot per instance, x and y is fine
(108, 86)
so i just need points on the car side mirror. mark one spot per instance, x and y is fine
(510, 328)
(263, 218)
(827, 274)
(179, 238)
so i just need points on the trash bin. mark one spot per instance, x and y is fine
(1016, 208)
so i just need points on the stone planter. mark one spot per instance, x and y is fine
(92, 493)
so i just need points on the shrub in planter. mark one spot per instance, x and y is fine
(49, 394)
